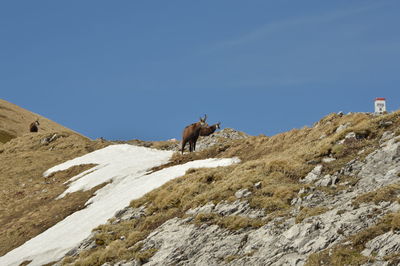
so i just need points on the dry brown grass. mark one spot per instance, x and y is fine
(159, 145)
(28, 205)
(5, 136)
(338, 256)
(388, 193)
(232, 222)
(309, 212)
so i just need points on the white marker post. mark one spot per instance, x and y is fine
(380, 105)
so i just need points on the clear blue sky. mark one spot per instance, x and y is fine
(146, 69)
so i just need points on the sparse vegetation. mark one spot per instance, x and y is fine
(393, 259)
(309, 212)
(337, 256)
(232, 223)
(231, 258)
(388, 193)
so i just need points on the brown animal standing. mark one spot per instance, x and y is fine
(34, 127)
(191, 134)
(207, 131)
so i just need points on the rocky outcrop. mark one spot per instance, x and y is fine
(179, 242)
(283, 241)
(382, 166)
(218, 137)
(240, 208)
(383, 245)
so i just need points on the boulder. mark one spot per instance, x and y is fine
(242, 193)
(313, 175)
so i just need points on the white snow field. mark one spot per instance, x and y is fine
(126, 166)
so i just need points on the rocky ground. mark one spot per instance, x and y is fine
(289, 240)
(321, 195)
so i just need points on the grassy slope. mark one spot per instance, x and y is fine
(15, 121)
(27, 199)
(277, 162)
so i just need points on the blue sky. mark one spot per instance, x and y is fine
(146, 69)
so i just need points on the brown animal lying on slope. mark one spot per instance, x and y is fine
(34, 126)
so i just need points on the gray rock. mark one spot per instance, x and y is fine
(385, 124)
(257, 185)
(342, 127)
(350, 135)
(219, 137)
(310, 196)
(328, 159)
(123, 263)
(383, 245)
(242, 193)
(351, 168)
(334, 179)
(47, 140)
(208, 208)
(280, 242)
(325, 181)
(129, 213)
(387, 135)
(361, 152)
(87, 244)
(224, 208)
(179, 243)
(301, 191)
(313, 175)
(382, 166)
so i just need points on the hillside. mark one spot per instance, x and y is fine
(321, 195)
(15, 121)
(27, 208)
(325, 195)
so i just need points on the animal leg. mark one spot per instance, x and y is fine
(183, 145)
(194, 144)
(190, 146)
